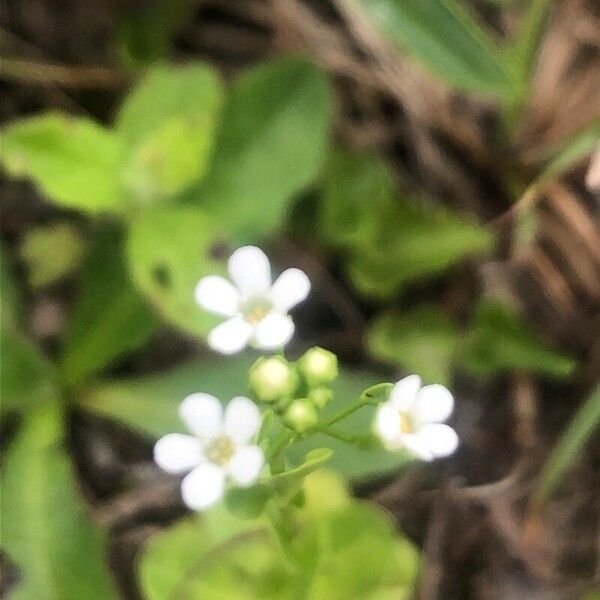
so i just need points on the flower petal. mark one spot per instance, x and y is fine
(177, 453)
(404, 393)
(417, 446)
(242, 419)
(202, 415)
(387, 423)
(290, 288)
(245, 465)
(231, 336)
(250, 270)
(273, 332)
(440, 440)
(217, 295)
(204, 486)
(434, 404)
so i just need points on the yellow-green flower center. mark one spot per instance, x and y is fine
(256, 309)
(406, 425)
(220, 450)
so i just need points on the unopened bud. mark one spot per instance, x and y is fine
(318, 366)
(301, 415)
(272, 379)
(320, 396)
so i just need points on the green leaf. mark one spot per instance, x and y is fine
(247, 503)
(44, 528)
(169, 251)
(292, 478)
(26, 376)
(423, 341)
(74, 161)
(570, 445)
(168, 122)
(271, 145)
(51, 252)
(446, 38)
(500, 341)
(109, 318)
(356, 187)
(150, 405)
(9, 294)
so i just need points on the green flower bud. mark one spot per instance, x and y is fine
(318, 366)
(301, 415)
(320, 396)
(272, 378)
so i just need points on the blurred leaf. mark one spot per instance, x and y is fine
(150, 405)
(293, 477)
(570, 445)
(446, 38)
(422, 341)
(9, 296)
(74, 161)
(354, 188)
(44, 528)
(414, 242)
(109, 318)
(144, 35)
(247, 503)
(168, 122)
(271, 144)
(169, 251)
(500, 341)
(26, 376)
(51, 252)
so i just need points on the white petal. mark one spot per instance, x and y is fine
(290, 288)
(273, 332)
(417, 445)
(250, 270)
(434, 404)
(242, 419)
(231, 336)
(203, 486)
(217, 295)
(387, 423)
(440, 440)
(177, 453)
(404, 393)
(245, 465)
(202, 415)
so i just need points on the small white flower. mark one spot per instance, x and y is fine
(220, 448)
(257, 309)
(412, 419)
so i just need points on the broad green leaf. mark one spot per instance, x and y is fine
(44, 529)
(446, 38)
(500, 341)
(571, 443)
(51, 252)
(150, 405)
(169, 251)
(355, 188)
(168, 124)
(26, 376)
(423, 341)
(271, 144)
(248, 503)
(414, 242)
(110, 318)
(74, 161)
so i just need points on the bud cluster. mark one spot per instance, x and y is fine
(296, 390)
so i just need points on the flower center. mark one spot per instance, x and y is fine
(406, 425)
(220, 450)
(256, 309)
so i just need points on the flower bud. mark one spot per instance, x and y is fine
(272, 378)
(318, 366)
(320, 396)
(301, 415)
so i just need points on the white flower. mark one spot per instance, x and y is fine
(257, 310)
(220, 448)
(412, 419)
